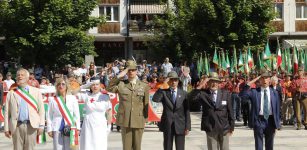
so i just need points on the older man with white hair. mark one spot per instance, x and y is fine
(24, 116)
(276, 86)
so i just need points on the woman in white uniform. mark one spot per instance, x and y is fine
(97, 119)
(56, 122)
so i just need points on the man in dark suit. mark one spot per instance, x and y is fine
(175, 119)
(217, 116)
(264, 115)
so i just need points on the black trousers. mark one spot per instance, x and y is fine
(169, 135)
(246, 107)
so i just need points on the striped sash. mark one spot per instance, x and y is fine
(68, 118)
(27, 97)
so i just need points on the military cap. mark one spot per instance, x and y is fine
(214, 77)
(173, 75)
(130, 64)
(265, 73)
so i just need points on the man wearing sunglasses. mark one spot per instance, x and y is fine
(133, 105)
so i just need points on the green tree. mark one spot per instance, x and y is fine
(201, 25)
(48, 31)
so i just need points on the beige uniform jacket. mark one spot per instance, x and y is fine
(133, 102)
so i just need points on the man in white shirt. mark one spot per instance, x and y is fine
(166, 66)
(9, 80)
(265, 111)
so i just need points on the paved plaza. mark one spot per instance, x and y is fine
(286, 139)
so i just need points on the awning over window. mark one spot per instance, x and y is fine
(147, 8)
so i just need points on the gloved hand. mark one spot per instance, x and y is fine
(109, 129)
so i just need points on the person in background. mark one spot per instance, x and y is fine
(32, 81)
(97, 119)
(2, 89)
(162, 82)
(153, 81)
(299, 90)
(287, 107)
(92, 70)
(185, 77)
(59, 119)
(166, 66)
(8, 81)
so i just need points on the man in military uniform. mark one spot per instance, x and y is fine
(299, 90)
(133, 105)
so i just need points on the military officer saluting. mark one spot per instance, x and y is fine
(133, 105)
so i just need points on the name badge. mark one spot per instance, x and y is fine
(224, 102)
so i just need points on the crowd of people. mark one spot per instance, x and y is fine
(264, 100)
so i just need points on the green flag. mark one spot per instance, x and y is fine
(199, 65)
(305, 59)
(224, 62)
(227, 60)
(267, 58)
(206, 64)
(283, 62)
(235, 63)
(259, 61)
(240, 63)
(215, 58)
(289, 61)
(301, 58)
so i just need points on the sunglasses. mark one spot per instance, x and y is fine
(62, 84)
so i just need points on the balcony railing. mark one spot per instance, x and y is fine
(141, 26)
(301, 25)
(108, 1)
(278, 25)
(109, 27)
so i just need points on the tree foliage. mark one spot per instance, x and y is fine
(48, 31)
(200, 25)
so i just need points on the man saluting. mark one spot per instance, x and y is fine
(264, 115)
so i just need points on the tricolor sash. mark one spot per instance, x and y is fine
(69, 120)
(27, 97)
(41, 139)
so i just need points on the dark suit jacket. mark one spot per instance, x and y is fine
(279, 92)
(178, 113)
(255, 97)
(216, 118)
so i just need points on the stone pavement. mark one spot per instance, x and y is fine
(242, 139)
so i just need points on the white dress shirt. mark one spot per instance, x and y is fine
(54, 116)
(262, 100)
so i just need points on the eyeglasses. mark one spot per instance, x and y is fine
(62, 84)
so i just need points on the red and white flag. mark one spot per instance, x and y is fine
(295, 61)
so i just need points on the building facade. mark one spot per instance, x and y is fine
(291, 23)
(128, 22)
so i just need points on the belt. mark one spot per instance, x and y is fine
(23, 122)
(262, 117)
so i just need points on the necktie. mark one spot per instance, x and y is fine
(265, 105)
(213, 98)
(173, 96)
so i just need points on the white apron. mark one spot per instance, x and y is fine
(94, 128)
